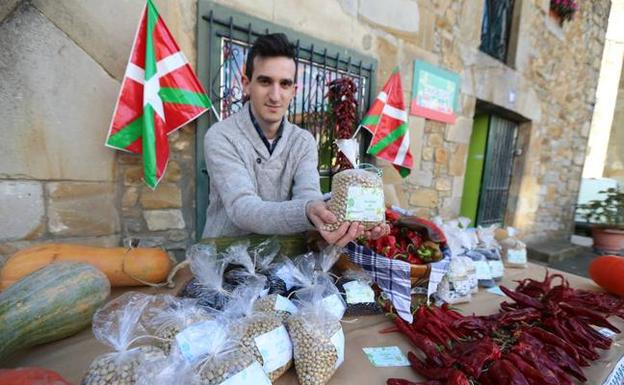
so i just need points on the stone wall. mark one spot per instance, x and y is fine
(58, 181)
(614, 166)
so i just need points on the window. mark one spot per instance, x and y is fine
(496, 28)
(224, 37)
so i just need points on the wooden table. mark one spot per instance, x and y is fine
(71, 356)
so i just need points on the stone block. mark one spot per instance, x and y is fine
(435, 140)
(82, 209)
(457, 163)
(459, 132)
(444, 184)
(55, 111)
(130, 197)
(458, 187)
(21, 210)
(133, 175)
(441, 155)
(427, 153)
(393, 15)
(165, 196)
(424, 197)
(422, 178)
(164, 219)
(417, 136)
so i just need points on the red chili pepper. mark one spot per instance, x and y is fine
(541, 363)
(450, 312)
(426, 371)
(457, 378)
(578, 338)
(521, 315)
(425, 344)
(579, 328)
(522, 299)
(555, 326)
(497, 374)
(602, 341)
(473, 356)
(532, 375)
(592, 316)
(564, 361)
(515, 376)
(400, 381)
(552, 339)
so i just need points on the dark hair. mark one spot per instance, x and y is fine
(270, 45)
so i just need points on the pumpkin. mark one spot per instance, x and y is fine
(31, 376)
(51, 303)
(122, 266)
(608, 272)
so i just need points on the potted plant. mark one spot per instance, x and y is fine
(606, 218)
(563, 10)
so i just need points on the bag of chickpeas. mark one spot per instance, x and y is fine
(357, 196)
(318, 339)
(168, 316)
(262, 333)
(118, 325)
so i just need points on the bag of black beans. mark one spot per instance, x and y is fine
(356, 289)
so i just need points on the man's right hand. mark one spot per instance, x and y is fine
(319, 215)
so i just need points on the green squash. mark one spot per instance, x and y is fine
(49, 304)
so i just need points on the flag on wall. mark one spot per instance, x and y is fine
(386, 120)
(159, 94)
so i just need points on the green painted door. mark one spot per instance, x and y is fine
(474, 167)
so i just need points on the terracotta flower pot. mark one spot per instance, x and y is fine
(608, 241)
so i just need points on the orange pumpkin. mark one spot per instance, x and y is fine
(608, 272)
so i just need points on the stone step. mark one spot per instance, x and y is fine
(554, 250)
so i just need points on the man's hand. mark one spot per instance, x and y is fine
(319, 215)
(378, 231)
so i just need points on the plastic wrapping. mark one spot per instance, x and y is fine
(170, 316)
(318, 339)
(276, 304)
(455, 286)
(207, 285)
(359, 296)
(206, 353)
(513, 250)
(357, 195)
(118, 325)
(482, 268)
(262, 333)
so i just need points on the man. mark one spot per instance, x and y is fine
(263, 169)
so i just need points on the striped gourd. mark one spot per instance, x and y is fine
(51, 303)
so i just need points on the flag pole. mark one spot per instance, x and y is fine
(214, 111)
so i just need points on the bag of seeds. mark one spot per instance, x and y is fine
(117, 324)
(207, 285)
(207, 353)
(276, 304)
(170, 315)
(482, 268)
(241, 267)
(261, 333)
(318, 340)
(358, 294)
(357, 195)
(265, 257)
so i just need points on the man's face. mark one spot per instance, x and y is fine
(271, 87)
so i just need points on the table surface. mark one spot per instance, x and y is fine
(71, 356)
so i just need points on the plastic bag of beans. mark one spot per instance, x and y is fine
(206, 353)
(356, 289)
(357, 195)
(207, 285)
(118, 325)
(262, 333)
(169, 315)
(318, 340)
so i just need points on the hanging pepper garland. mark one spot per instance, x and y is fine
(342, 117)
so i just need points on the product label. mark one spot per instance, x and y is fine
(198, 339)
(517, 257)
(483, 270)
(334, 305)
(358, 292)
(365, 204)
(275, 347)
(617, 375)
(497, 268)
(386, 356)
(284, 304)
(252, 374)
(338, 340)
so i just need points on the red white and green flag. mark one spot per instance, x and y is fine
(159, 94)
(386, 120)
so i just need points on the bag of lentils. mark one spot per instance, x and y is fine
(210, 353)
(117, 324)
(207, 285)
(318, 340)
(357, 196)
(170, 315)
(357, 291)
(263, 334)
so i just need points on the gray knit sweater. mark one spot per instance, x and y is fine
(252, 191)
